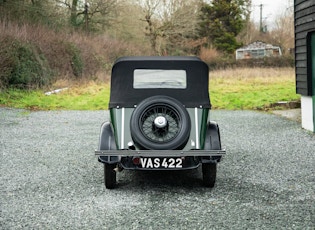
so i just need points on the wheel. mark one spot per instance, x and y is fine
(209, 173)
(160, 122)
(109, 175)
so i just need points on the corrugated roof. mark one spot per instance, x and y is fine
(258, 45)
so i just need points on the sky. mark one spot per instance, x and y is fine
(270, 10)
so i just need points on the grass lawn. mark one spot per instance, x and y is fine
(89, 96)
(246, 88)
(256, 88)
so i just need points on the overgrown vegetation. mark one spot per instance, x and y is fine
(44, 41)
(24, 66)
(267, 62)
(76, 60)
(35, 56)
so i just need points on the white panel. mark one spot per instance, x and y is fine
(197, 128)
(307, 113)
(122, 145)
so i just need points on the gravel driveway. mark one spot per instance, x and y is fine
(50, 178)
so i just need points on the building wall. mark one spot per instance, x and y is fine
(304, 19)
(304, 14)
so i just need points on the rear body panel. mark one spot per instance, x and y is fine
(120, 118)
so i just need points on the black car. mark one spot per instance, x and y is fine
(159, 118)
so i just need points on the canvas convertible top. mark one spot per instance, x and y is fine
(124, 93)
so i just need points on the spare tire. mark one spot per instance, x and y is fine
(160, 122)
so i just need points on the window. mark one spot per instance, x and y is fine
(257, 53)
(158, 78)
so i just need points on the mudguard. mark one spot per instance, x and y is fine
(213, 141)
(107, 142)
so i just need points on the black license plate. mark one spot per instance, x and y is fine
(167, 163)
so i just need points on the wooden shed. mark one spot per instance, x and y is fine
(304, 23)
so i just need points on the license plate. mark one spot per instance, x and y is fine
(167, 163)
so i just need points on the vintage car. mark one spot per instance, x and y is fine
(159, 118)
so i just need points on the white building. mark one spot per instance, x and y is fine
(258, 49)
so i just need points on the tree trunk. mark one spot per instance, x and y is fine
(73, 16)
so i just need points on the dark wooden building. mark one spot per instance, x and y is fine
(304, 22)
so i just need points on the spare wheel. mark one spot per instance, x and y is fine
(160, 122)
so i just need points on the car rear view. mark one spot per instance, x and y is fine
(159, 118)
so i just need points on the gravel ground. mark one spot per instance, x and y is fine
(50, 178)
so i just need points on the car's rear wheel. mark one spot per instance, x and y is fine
(109, 175)
(160, 122)
(209, 173)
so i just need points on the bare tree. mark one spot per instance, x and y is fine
(183, 28)
(73, 6)
(168, 21)
(127, 26)
(283, 34)
(154, 23)
(95, 14)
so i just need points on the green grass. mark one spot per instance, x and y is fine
(251, 88)
(91, 97)
(238, 95)
(229, 89)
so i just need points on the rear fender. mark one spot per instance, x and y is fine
(107, 142)
(212, 142)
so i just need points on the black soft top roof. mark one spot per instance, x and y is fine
(123, 94)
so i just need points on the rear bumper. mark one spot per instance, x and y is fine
(160, 153)
(202, 156)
